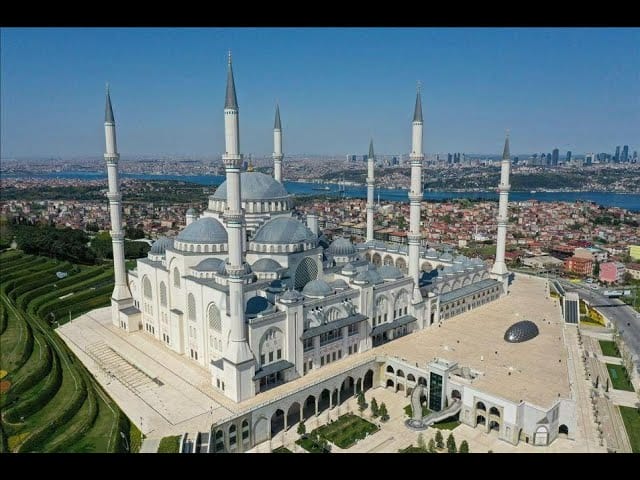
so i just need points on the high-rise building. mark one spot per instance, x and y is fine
(449, 158)
(555, 157)
(616, 157)
(568, 156)
(625, 154)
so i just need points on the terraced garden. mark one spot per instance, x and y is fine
(48, 401)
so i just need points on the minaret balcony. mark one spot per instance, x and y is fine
(114, 196)
(111, 158)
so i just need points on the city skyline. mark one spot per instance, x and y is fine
(166, 83)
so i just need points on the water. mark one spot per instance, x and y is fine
(629, 201)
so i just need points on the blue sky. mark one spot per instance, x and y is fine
(575, 88)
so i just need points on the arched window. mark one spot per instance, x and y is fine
(245, 430)
(232, 435)
(333, 314)
(215, 322)
(163, 294)
(176, 277)
(191, 307)
(146, 287)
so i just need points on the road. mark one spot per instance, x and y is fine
(623, 316)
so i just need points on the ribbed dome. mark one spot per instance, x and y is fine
(317, 289)
(210, 265)
(341, 247)
(389, 272)
(266, 265)
(254, 186)
(446, 257)
(204, 230)
(521, 331)
(368, 276)
(284, 230)
(160, 246)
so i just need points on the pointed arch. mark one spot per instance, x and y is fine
(163, 294)
(191, 307)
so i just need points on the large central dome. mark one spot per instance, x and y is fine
(284, 230)
(255, 186)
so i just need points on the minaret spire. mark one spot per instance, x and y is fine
(370, 188)
(415, 197)
(499, 270)
(277, 146)
(121, 296)
(238, 367)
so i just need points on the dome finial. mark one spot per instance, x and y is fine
(229, 57)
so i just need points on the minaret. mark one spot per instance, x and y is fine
(499, 270)
(370, 186)
(238, 361)
(415, 197)
(121, 296)
(277, 147)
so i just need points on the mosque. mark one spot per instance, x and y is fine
(259, 298)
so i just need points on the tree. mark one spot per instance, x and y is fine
(421, 444)
(596, 268)
(302, 430)
(464, 447)
(374, 408)
(362, 404)
(384, 416)
(432, 446)
(451, 444)
(439, 439)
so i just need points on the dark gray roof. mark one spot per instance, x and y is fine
(342, 322)
(277, 125)
(417, 113)
(160, 246)
(254, 186)
(209, 265)
(108, 110)
(256, 305)
(317, 288)
(204, 230)
(371, 155)
(230, 101)
(521, 331)
(506, 154)
(272, 368)
(266, 265)
(467, 290)
(130, 310)
(398, 322)
(283, 230)
(389, 272)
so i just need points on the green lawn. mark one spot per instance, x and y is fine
(408, 410)
(169, 444)
(446, 425)
(282, 450)
(609, 348)
(618, 376)
(52, 404)
(347, 430)
(631, 418)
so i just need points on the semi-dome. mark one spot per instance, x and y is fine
(266, 265)
(317, 289)
(389, 272)
(284, 230)
(341, 247)
(160, 246)
(339, 284)
(210, 265)
(291, 296)
(349, 269)
(521, 331)
(254, 186)
(204, 230)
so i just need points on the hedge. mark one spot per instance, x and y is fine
(22, 383)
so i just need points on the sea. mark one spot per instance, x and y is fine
(630, 201)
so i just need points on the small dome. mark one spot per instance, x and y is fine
(255, 186)
(446, 257)
(341, 247)
(431, 253)
(349, 269)
(521, 331)
(339, 284)
(389, 272)
(317, 289)
(204, 230)
(448, 271)
(266, 265)
(457, 267)
(291, 296)
(276, 286)
(460, 259)
(256, 305)
(284, 230)
(160, 246)
(368, 276)
(191, 211)
(210, 265)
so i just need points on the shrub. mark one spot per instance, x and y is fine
(464, 447)
(451, 444)
(374, 408)
(439, 440)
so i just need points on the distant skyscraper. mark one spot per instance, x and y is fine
(635, 156)
(588, 159)
(616, 157)
(625, 154)
(449, 158)
(555, 156)
(568, 156)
